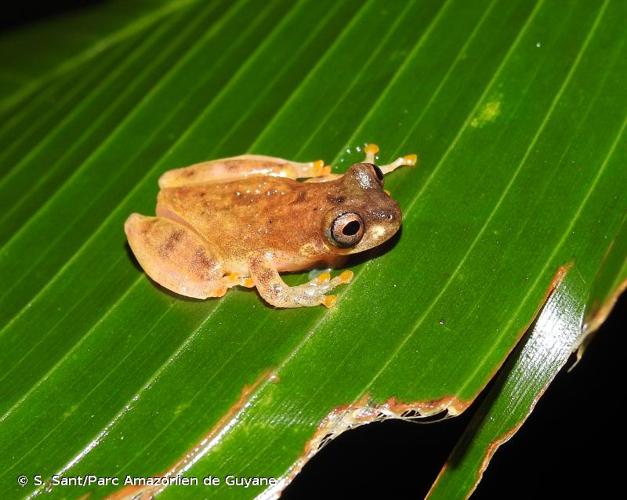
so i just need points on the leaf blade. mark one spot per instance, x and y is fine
(183, 365)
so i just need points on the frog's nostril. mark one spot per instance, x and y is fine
(386, 215)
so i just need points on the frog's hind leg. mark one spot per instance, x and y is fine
(371, 151)
(176, 257)
(238, 167)
(277, 293)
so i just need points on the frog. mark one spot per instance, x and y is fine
(244, 220)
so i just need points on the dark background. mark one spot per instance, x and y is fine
(566, 448)
(16, 14)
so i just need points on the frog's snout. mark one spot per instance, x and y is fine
(387, 214)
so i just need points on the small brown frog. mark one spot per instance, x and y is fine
(243, 220)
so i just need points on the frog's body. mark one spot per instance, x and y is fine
(242, 220)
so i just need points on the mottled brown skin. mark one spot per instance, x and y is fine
(252, 222)
(284, 216)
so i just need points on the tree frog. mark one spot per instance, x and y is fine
(243, 220)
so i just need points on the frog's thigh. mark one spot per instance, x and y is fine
(175, 256)
(277, 293)
(238, 167)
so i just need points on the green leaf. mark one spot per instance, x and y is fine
(518, 113)
(609, 283)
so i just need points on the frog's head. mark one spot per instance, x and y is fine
(362, 215)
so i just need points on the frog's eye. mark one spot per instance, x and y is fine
(375, 172)
(378, 172)
(347, 230)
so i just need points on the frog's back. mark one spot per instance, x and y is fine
(251, 213)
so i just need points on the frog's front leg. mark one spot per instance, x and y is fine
(178, 258)
(371, 151)
(277, 293)
(238, 167)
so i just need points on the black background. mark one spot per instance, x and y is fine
(571, 445)
(16, 14)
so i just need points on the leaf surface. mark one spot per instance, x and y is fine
(517, 111)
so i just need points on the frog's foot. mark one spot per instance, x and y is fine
(323, 283)
(236, 279)
(277, 293)
(176, 257)
(309, 169)
(371, 151)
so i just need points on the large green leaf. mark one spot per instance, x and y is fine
(518, 113)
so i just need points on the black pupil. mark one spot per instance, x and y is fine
(351, 228)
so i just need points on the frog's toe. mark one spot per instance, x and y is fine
(371, 151)
(346, 277)
(323, 283)
(329, 301)
(411, 159)
(343, 278)
(308, 170)
(323, 277)
(234, 279)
